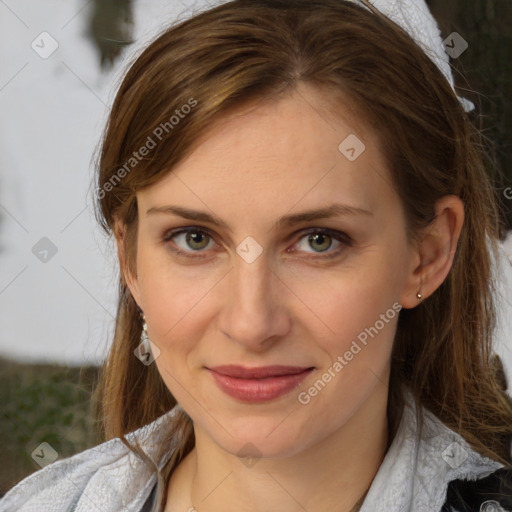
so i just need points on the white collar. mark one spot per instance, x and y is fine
(413, 477)
(418, 466)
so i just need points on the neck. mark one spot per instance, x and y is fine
(333, 474)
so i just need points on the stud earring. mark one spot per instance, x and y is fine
(419, 296)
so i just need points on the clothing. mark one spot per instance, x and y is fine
(413, 477)
(489, 494)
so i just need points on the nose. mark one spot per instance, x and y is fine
(253, 306)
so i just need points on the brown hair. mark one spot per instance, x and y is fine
(246, 50)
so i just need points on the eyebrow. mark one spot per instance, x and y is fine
(334, 210)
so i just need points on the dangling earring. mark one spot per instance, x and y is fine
(144, 334)
(147, 351)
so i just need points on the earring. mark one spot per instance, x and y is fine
(144, 334)
(147, 351)
(419, 296)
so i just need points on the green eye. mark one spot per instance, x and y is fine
(324, 241)
(321, 240)
(189, 242)
(192, 240)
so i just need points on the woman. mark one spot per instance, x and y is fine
(305, 229)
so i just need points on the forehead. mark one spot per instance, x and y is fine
(296, 150)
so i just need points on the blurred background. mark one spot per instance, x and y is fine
(61, 64)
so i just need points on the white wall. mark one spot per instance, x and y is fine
(59, 310)
(53, 110)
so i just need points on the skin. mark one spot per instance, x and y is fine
(289, 306)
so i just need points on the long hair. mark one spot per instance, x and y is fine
(244, 51)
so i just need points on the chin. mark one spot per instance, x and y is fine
(260, 437)
(257, 446)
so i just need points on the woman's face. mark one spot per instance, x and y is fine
(261, 280)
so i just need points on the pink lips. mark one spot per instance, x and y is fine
(258, 384)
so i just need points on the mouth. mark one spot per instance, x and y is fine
(259, 384)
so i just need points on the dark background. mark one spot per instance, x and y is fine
(485, 71)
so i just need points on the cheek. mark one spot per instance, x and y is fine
(356, 310)
(360, 318)
(354, 296)
(360, 325)
(170, 293)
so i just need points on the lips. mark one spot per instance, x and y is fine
(262, 372)
(258, 384)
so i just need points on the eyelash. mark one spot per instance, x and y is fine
(341, 237)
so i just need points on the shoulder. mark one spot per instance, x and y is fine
(471, 482)
(423, 460)
(107, 477)
(61, 485)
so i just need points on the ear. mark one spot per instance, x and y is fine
(434, 253)
(127, 276)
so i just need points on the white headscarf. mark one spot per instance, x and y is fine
(415, 18)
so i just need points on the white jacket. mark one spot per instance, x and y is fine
(413, 477)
